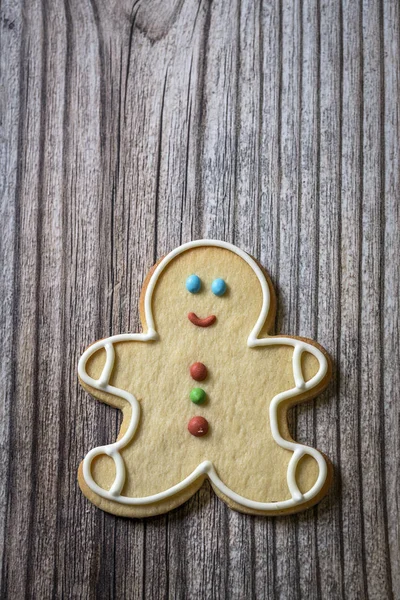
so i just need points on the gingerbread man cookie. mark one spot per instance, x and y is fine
(204, 393)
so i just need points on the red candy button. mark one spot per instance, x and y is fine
(198, 426)
(198, 371)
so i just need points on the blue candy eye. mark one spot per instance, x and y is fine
(218, 287)
(193, 284)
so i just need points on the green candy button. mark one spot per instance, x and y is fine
(197, 396)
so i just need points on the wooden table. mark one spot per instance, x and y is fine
(128, 128)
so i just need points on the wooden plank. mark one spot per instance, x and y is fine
(270, 57)
(218, 183)
(308, 297)
(10, 65)
(195, 570)
(130, 127)
(49, 342)
(349, 462)
(23, 435)
(246, 77)
(390, 292)
(82, 422)
(329, 571)
(371, 339)
(287, 580)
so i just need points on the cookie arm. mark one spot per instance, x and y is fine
(102, 384)
(303, 386)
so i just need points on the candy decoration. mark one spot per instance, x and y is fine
(197, 396)
(193, 284)
(198, 426)
(218, 287)
(205, 322)
(198, 371)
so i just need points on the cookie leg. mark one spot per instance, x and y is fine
(107, 496)
(139, 511)
(300, 482)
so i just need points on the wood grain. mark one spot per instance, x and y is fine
(128, 128)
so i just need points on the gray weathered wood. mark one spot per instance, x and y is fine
(128, 128)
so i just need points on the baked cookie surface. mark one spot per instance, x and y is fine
(204, 393)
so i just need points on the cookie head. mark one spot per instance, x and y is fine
(207, 291)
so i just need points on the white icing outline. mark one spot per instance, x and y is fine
(206, 467)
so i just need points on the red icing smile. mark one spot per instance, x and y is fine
(206, 322)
